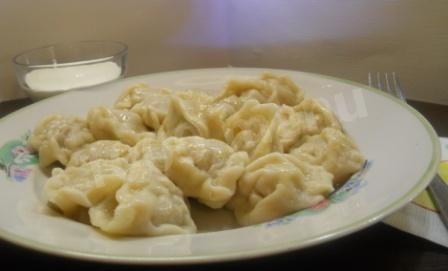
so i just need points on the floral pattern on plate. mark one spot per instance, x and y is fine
(17, 159)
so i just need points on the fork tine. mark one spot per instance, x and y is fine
(370, 79)
(378, 80)
(374, 80)
(388, 83)
(398, 90)
(391, 83)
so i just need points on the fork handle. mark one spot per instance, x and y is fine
(439, 193)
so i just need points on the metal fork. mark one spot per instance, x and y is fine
(438, 190)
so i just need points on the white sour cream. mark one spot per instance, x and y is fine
(61, 77)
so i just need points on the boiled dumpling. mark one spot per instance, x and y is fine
(57, 136)
(284, 131)
(217, 113)
(101, 149)
(131, 96)
(334, 150)
(185, 115)
(137, 94)
(290, 125)
(123, 125)
(269, 88)
(315, 117)
(206, 169)
(149, 149)
(147, 204)
(82, 187)
(245, 129)
(150, 103)
(153, 109)
(276, 185)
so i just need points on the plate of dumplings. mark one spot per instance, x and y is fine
(208, 165)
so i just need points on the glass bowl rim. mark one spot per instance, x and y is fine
(121, 51)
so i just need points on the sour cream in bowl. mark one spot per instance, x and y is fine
(53, 69)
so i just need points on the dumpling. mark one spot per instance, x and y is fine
(81, 187)
(206, 169)
(276, 185)
(333, 150)
(147, 204)
(149, 149)
(57, 136)
(133, 95)
(185, 115)
(217, 112)
(123, 125)
(290, 125)
(101, 149)
(283, 89)
(245, 129)
(315, 117)
(154, 108)
(284, 131)
(269, 88)
(137, 94)
(151, 104)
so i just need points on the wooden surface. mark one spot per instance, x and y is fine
(378, 247)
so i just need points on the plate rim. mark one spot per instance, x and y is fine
(358, 225)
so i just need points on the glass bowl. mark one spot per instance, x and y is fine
(50, 70)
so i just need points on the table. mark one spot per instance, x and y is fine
(379, 247)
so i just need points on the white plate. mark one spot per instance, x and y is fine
(401, 146)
